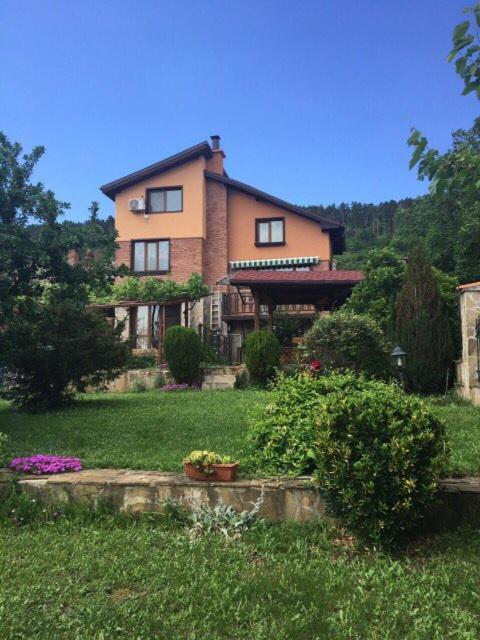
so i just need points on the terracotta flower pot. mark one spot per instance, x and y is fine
(221, 472)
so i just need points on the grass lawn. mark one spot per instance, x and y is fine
(154, 430)
(140, 580)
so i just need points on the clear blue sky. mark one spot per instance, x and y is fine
(314, 100)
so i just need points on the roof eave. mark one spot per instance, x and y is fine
(330, 226)
(110, 189)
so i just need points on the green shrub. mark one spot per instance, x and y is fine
(348, 341)
(141, 362)
(3, 442)
(262, 355)
(56, 348)
(242, 380)
(139, 386)
(183, 353)
(378, 454)
(160, 380)
(281, 434)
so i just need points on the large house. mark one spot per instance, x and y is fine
(255, 251)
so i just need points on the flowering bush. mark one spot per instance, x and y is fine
(41, 464)
(315, 367)
(345, 341)
(181, 387)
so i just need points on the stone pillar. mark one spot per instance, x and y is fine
(467, 383)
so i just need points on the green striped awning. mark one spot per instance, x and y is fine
(273, 262)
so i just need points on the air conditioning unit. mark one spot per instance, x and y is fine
(137, 205)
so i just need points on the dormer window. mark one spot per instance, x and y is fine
(269, 232)
(166, 200)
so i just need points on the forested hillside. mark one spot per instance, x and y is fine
(446, 221)
(367, 226)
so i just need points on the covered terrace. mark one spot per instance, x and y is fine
(325, 290)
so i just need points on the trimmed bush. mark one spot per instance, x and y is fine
(378, 455)
(281, 436)
(348, 341)
(141, 362)
(375, 451)
(182, 349)
(262, 355)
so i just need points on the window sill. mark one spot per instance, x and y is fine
(270, 244)
(158, 213)
(151, 273)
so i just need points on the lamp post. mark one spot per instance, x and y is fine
(399, 357)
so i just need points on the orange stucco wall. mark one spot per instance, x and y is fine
(303, 237)
(189, 223)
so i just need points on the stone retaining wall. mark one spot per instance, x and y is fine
(295, 499)
(214, 378)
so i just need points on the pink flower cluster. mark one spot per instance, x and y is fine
(45, 464)
(180, 387)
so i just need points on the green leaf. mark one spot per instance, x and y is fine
(476, 12)
(459, 32)
(471, 86)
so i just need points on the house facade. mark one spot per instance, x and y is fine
(185, 214)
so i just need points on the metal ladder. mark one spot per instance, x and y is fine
(216, 310)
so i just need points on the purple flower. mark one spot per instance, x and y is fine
(180, 387)
(40, 464)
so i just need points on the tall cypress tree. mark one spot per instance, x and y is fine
(423, 328)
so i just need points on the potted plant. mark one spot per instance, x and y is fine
(208, 465)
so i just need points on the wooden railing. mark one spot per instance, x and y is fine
(236, 305)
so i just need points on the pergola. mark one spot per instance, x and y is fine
(159, 317)
(325, 290)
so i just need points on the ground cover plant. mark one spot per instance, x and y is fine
(95, 575)
(154, 430)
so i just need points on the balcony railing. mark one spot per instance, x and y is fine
(236, 305)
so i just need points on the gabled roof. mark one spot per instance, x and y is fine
(261, 195)
(112, 188)
(335, 229)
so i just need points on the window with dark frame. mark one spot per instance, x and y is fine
(151, 256)
(269, 231)
(166, 200)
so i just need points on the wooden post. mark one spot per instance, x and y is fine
(270, 316)
(256, 309)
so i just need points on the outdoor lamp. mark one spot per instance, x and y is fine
(399, 357)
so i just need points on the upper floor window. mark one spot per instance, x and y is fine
(269, 231)
(151, 256)
(167, 200)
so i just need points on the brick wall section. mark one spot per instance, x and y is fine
(215, 258)
(186, 257)
(123, 253)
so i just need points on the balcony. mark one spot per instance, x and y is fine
(239, 307)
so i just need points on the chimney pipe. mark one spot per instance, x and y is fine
(215, 142)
